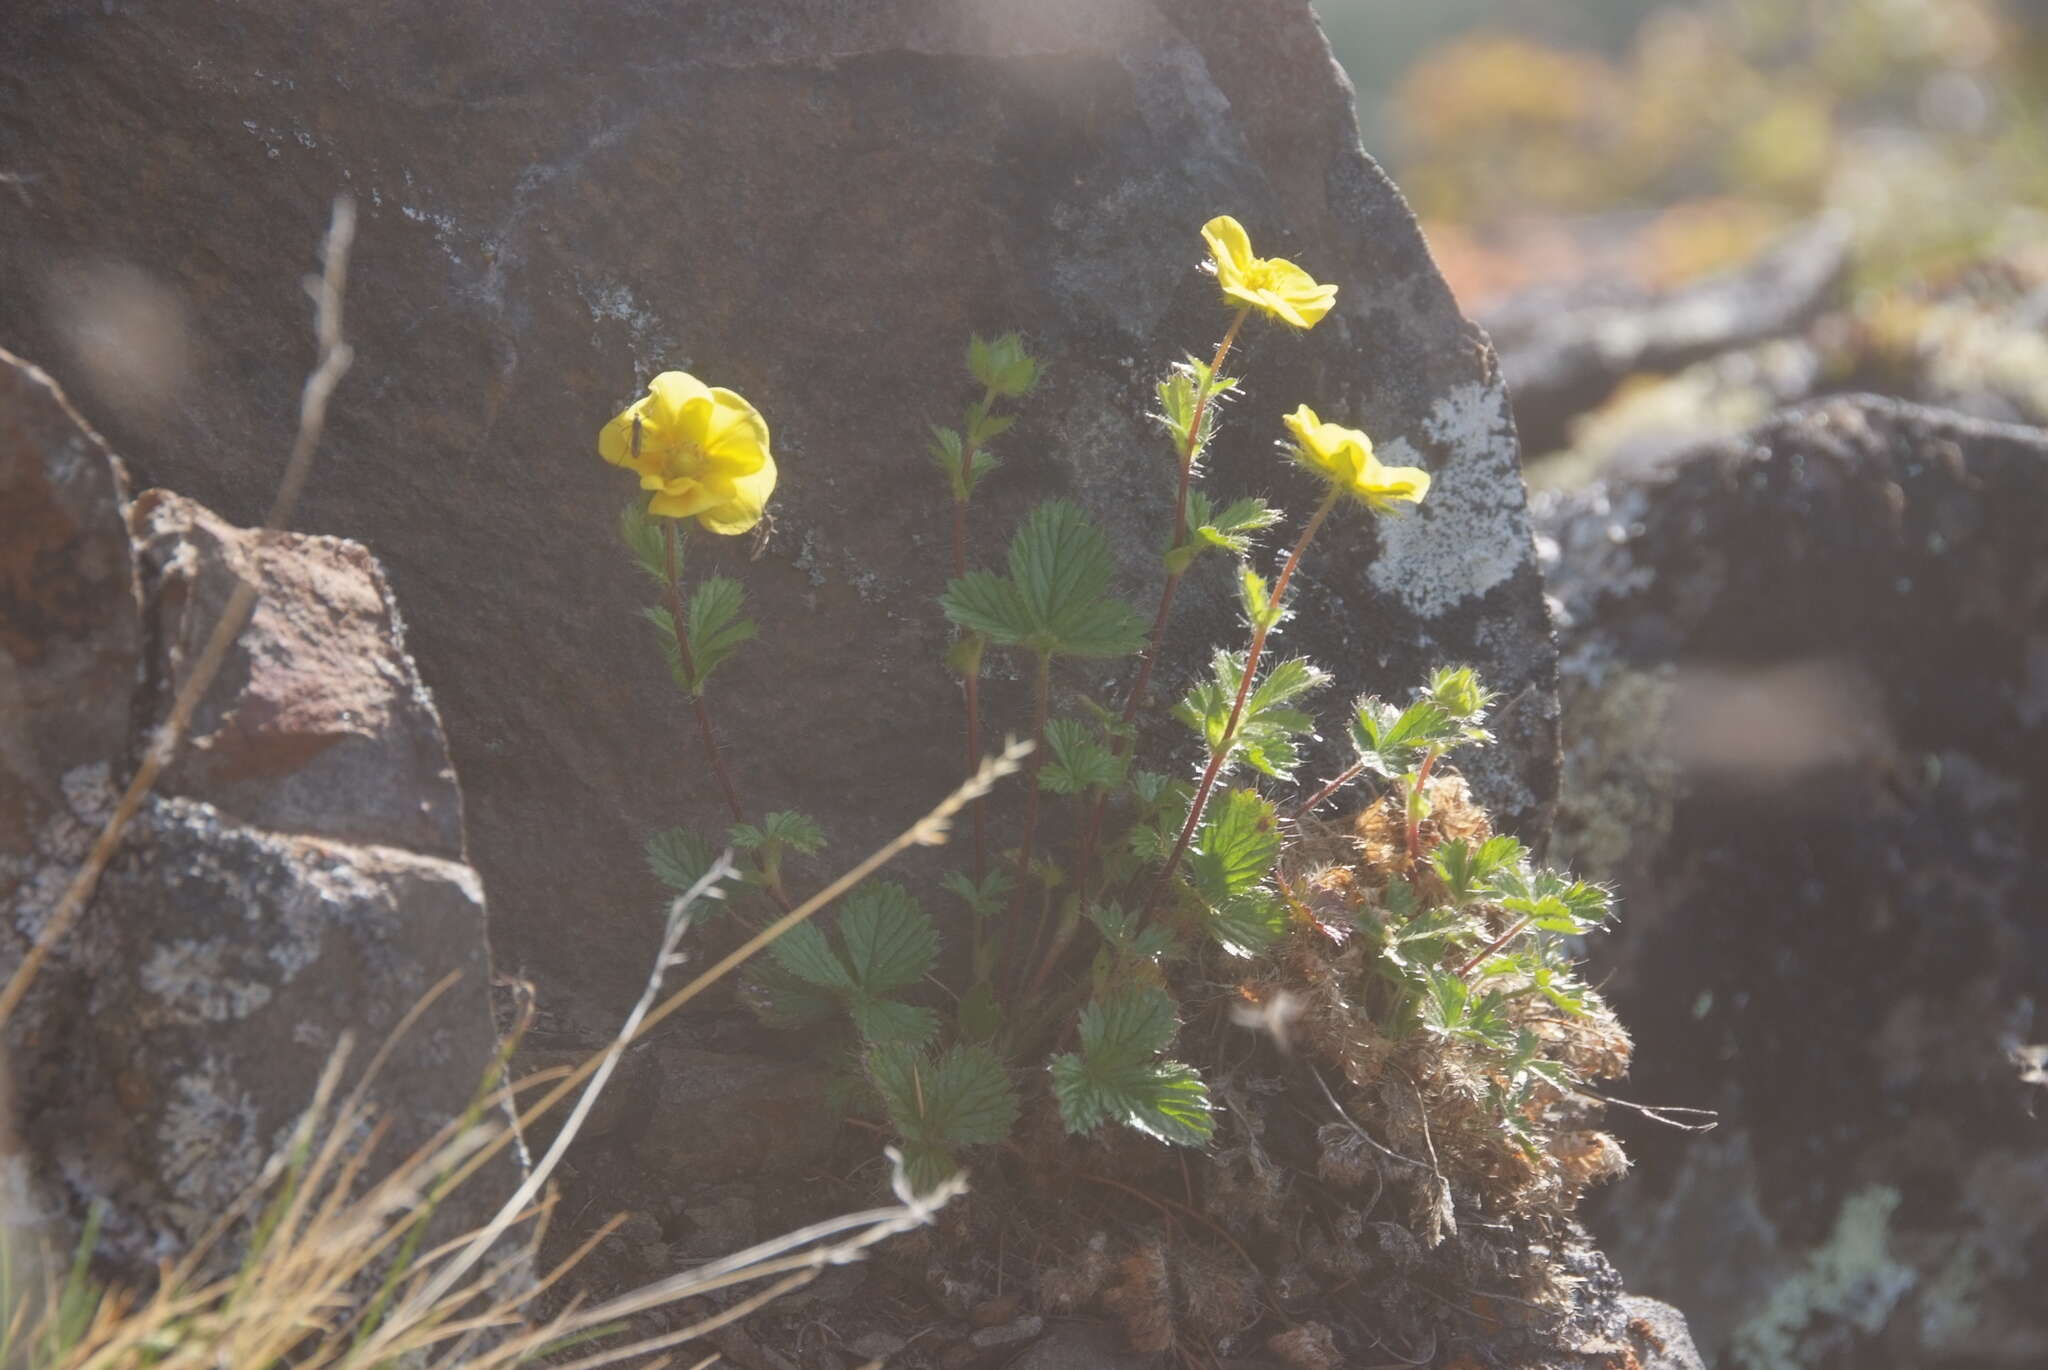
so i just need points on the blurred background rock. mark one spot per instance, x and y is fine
(1574, 162)
(1803, 632)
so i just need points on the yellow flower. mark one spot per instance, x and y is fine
(1343, 456)
(703, 451)
(1274, 286)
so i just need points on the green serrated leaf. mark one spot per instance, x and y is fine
(1255, 597)
(962, 1097)
(645, 542)
(679, 858)
(1467, 867)
(890, 1022)
(1163, 1099)
(1003, 365)
(1127, 1026)
(785, 828)
(969, 1100)
(1078, 761)
(1392, 742)
(1152, 790)
(1179, 394)
(1052, 601)
(984, 602)
(984, 428)
(717, 625)
(985, 899)
(890, 941)
(1234, 847)
(1248, 924)
(1267, 726)
(1127, 934)
(805, 952)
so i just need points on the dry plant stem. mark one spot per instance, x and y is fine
(1244, 688)
(679, 920)
(672, 586)
(332, 362)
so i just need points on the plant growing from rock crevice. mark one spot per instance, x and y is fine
(1421, 957)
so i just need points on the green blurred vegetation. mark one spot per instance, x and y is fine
(1715, 125)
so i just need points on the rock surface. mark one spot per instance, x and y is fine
(1807, 697)
(273, 896)
(1564, 349)
(813, 203)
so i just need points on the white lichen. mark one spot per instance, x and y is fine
(1469, 535)
(1850, 1278)
(191, 979)
(206, 1143)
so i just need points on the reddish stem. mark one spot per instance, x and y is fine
(674, 588)
(972, 684)
(1041, 705)
(1244, 688)
(1491, 947)
(1092, 833)
(703, 710)
(1414, 818)
(1344, 777)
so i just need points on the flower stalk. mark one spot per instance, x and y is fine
(1091, 833)
(673, 590)
(1222, 750)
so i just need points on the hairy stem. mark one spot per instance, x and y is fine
(1041, 705)
(1491, 947)
(672, 585)
(1091, 832)
(1343, 778)
(1415, 802)
(1244, 687)
(1189, 451)
(971, 684)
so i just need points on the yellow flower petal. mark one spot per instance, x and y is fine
(748, 502)
(688, 502)
(670, 398)
(1344, 457)
(1230, 247)
(1274, 286)
(703, 452)
(735, 434)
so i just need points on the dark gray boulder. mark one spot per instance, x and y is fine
(294, 881)
(1806, 685)
(813, 203)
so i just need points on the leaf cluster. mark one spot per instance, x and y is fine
(1054, 600)
(1268, 725)
(1122, 1075)
(886, 944)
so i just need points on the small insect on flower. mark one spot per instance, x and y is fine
(702, 450)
